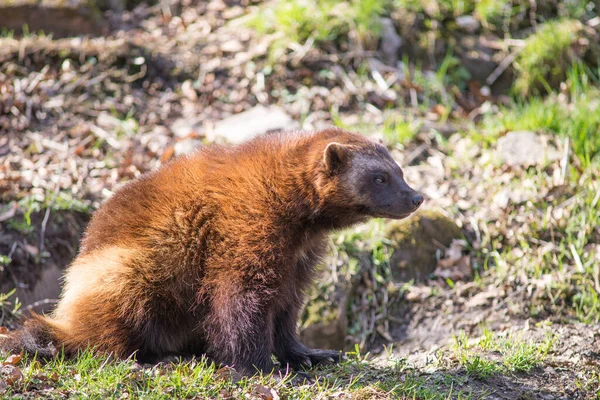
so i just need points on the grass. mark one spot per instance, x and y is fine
(571, 114)
(517, 355)
(62, 200)
(400, 131)
(437, 9)
(479, 367)
(572, 117)
(546, 56)
(93, 376)
(358, 376)
(554, 242)
(494, 13)
(9, 309)
(302, 21)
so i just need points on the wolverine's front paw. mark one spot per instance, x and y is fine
(324, 357)
(310, 358)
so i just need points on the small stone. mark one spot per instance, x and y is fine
(185, 127)
(241, 127)
(524, 148)
(107, 121)
(187, 88)
(232, 46)
(187, 146)
(502, 198)
(549, 370)
(233, 12)
(468, 22)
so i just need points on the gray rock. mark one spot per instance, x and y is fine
(390, 41)
(232, 46)
(524, 148)
(184, 127)
(186, 146)
(468, 22)
(241, 127)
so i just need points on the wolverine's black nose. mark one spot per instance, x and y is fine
(417, 200)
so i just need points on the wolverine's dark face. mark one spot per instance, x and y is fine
(371, 181)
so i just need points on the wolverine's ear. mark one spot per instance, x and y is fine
(335, 156)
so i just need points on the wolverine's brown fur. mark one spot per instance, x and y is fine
(208, 255)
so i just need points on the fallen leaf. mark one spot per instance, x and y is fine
(265, 393)
(13, 359)
(454, 265)
(482, 298)
(417, 293)
(13, 374)
(457, 270)
(3, 330)
(439, 109)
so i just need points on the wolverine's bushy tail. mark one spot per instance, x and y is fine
(37, 337)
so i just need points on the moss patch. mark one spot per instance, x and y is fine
(416, 240)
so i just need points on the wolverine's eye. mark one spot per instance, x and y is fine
(380, 179)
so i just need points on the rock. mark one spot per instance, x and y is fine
(185, 127)
(243, 126)
(233, 12)
(232, 46)
(57, 17)
(390, 41)
(417, 239)
(187, 146)
(468, 22)
(524, 148)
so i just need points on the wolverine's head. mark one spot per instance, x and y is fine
(362, 177)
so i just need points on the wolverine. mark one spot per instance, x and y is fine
(211, 254)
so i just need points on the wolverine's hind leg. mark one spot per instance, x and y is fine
(101, 306)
